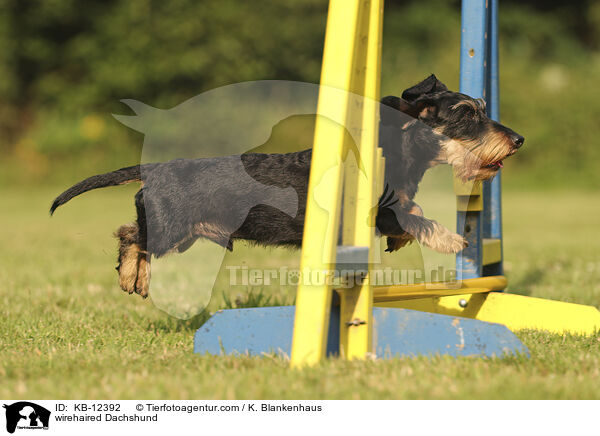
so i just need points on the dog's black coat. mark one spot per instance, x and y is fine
(178, 194)
(183, 200)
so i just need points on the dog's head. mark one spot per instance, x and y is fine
(470, 141)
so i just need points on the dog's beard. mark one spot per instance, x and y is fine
(477, 159)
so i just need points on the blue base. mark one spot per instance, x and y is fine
(397, 333)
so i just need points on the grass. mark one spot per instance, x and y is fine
(67, 331)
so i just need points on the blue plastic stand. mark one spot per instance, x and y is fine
(397, 333)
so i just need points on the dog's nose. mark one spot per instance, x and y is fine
(518, 140)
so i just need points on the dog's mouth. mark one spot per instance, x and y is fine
(495, 165)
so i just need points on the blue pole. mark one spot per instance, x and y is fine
(492, 192)
(473, 74)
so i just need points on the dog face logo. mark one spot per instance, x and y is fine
(26, 415)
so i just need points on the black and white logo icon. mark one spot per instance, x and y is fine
(26, 415)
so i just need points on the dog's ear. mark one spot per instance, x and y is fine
(420, 109)
(390, 117)
(427, 109)
(427, 86)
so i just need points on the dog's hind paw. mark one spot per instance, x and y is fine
(128, 270)
(134, 271)
(142, 283)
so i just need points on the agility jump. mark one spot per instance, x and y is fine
(365, 320)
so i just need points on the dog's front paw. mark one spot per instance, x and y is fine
(444, 241)
(450, 243)
(456, 243)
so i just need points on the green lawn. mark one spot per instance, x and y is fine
(67, 331)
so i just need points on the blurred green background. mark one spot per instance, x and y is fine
(65, 64)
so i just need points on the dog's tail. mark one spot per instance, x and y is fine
(114, 178)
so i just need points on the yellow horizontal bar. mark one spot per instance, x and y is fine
(492, 251)
(390, 294)
(493, 283)
(517, 312)
(437, 289)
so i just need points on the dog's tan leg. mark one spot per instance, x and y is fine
(401, 226)
(395, 243)
(142, 283)
(129, 255)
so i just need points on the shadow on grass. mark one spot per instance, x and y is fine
(251, 298)
(254, 298)
(170, 324)
(522, 285)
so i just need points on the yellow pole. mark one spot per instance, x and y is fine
(356, 319)
(319, 244)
